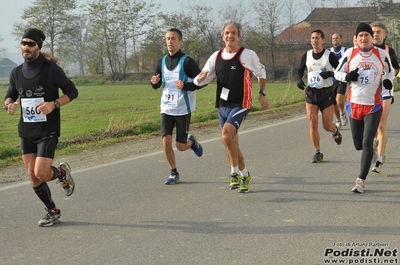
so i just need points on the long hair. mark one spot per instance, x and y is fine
(48, 57)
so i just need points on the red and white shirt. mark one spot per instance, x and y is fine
(373, 67)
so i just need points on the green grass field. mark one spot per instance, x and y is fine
(107, 114)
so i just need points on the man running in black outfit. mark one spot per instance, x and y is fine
(36, 83)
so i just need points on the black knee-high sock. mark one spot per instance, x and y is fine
(44, 194)
(56, 173)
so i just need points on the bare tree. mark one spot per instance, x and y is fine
(74, 48)
(2, 49)
(336, 3)
(152, 49)
(291, 13)
(236, 11)
(51, 16)
(292, 19)
(374, 3)
(120, 24)
(205, 30)
(135, 16)
(201, 32)
(268, 17)
(308, 5)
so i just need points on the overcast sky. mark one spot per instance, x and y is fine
(12, 12)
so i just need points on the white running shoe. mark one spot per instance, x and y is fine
(52, 217)
(359, 187)
(66, 181)
(378, 167)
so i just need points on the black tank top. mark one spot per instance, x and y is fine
(38, 87)
(230, 75)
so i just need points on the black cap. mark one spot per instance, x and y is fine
(364, 27)
(35, 34)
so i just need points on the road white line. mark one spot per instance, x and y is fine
(12, 186)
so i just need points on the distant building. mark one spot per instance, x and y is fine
(6, 66)
(294, 41)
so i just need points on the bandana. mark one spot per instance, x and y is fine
(364, 27)
(36, 35)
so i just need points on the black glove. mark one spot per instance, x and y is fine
(326, 74)
(300, 84)
(352, 76)
(387, 84)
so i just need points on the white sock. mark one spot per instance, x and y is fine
(244, 172)
(234, 169)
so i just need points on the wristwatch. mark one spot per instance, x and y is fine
(6, 106)
(263, 92)
(56, 104)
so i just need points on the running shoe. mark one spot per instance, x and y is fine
(359, 187)
(318, 157)
(338, 124)
(343, 119)
(66, 180)
(172, 179)
(337, 137)
(375, 147)
(196, 147)
(378, 167)
(244, 184)
(52, 217)
(235, 180)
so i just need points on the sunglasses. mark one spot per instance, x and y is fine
(29, 43)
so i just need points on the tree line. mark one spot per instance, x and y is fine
(117, 37)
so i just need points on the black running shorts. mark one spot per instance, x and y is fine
(42, 147)
(339, 88)
(323, 97)
(168, 122)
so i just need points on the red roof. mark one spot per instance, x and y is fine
(342, 20)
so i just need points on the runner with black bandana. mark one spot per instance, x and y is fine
(36, 83)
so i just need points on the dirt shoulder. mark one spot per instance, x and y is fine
(147, 144)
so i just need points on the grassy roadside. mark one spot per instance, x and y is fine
(108, 114)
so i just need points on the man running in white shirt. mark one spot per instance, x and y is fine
(233, 66)
(364, 67)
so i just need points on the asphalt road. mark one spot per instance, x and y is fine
(295, 213)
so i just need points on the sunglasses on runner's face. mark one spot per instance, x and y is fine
(29, 43)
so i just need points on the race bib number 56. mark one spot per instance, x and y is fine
(30, 112)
